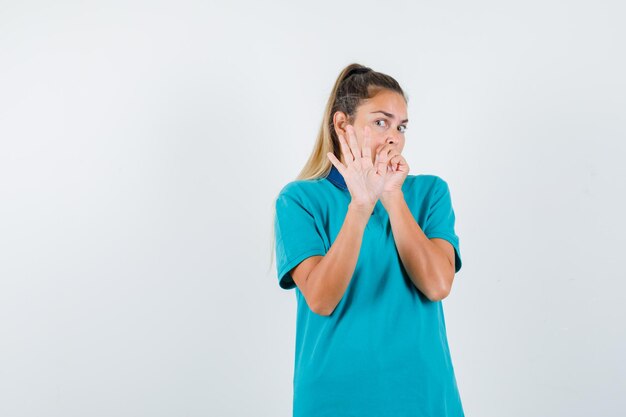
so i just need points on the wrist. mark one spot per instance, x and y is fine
(361, 209)
(391, 197)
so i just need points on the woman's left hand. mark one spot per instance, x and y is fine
(397, 171)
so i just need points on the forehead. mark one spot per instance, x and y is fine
(388, 101)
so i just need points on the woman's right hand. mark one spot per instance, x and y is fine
(365, 179)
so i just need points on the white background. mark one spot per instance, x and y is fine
(142, 145)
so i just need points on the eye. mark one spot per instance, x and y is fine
(380, 120)
(403, 127)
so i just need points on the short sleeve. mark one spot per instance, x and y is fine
(297, 237)
(440, 219)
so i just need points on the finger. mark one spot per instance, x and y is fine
(379, 150)
(354, 145)
(393, 154)
(390, 151)
(386, 149)
(367, 152)
(382, 161)
(345, 150)
(395, 161)
(336, 162)
(376, 163)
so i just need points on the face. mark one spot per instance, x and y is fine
(386, 116)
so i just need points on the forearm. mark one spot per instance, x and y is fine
(331, 276)
(426, 265)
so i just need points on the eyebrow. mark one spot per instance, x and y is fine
(389, 115)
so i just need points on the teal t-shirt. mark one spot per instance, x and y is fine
(384, 350)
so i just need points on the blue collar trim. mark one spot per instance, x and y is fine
(336, 178)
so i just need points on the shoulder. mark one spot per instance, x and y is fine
(307, 194)
(424, 184)
(301, 188)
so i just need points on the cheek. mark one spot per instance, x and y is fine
(400, 146)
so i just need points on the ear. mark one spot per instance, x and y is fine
(340, 120)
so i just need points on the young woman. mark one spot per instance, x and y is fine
(371, 251)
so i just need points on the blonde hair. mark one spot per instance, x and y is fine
(354, 84)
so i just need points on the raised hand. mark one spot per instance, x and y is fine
(365, 179)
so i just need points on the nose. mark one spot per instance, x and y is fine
(392, 138)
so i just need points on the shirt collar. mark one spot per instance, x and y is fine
(336, 178)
